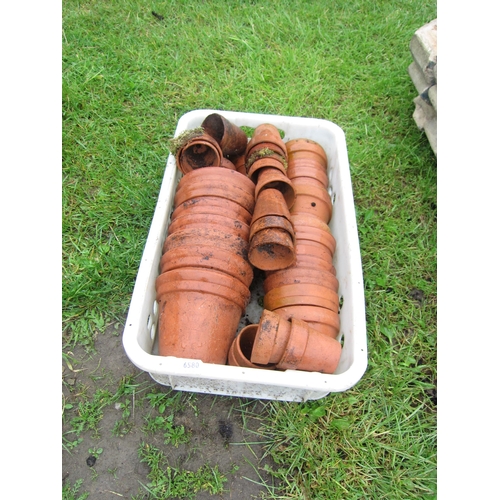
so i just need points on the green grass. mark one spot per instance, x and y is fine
(127, 79)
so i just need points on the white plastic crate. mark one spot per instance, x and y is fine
(193, 375)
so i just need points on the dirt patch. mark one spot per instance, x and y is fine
(113, 410)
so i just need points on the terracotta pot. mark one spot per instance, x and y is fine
(212, 205)
(266, 133)
(309, 220)
(270, 339)
(207, 236)
(270, 202)
(306, 148)
(265, 151)
(198, 152)
(232, 139)
(225, 163)
(312, 248)
(229, 224)
(201, 188)
(272, 221)
(240, 164)
(205, 256)
(271, 249)
(262, 163)
(318, 236)
(309, 350)
(228, 177)
(313, 262)
(197, 278)
(323, 320)
(313, 201)
(297, 275)
(241, 348)
(196, 321)
(275, 179)
(301, 294)
(318, 177)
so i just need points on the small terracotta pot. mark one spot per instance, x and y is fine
(301, 294)
(317, 236)
(306, 148)
(229, 224)
(201, 188)
(266, 133)
(323, 320)
(262, 163)
(275, 179)
(205, 256)
(241, 348)
(198, 152)
(271, 249)
(197, 322)
(270, 202)
(232, 139)
(270, 339)
(313, 201)
(309, 350)
(297, 275)
(212, 205)
(269, 222)
(207, 236)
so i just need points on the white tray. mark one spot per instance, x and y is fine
(194, 375)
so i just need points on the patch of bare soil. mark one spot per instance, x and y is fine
(107, 459)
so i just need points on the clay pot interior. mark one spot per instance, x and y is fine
(198, 152)
(271, 249)
(241, 349)
(232, 139)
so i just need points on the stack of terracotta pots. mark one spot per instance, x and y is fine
(203, 286)
(308, 290)
(271, 234)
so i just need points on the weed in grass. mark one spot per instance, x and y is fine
(72, 492)
(170, 482)
(173, 434)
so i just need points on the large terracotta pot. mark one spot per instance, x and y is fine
(230, 287)
(241, 349)
(312, 262)
(312, 248)
(226, 176)
(213, 205)
(232, 139)
(228, 224)
(309, 350)
(225, 163)
(197, 320)
(317, 236)
(271, 249)
(309, 220)
(199, 188)
(198, 152)
(207, 236)
(321, 319)
(205, 256)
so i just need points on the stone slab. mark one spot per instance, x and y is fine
(423, 47)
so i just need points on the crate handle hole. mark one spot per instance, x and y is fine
(341, 302)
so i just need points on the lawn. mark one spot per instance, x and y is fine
(128, 76)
